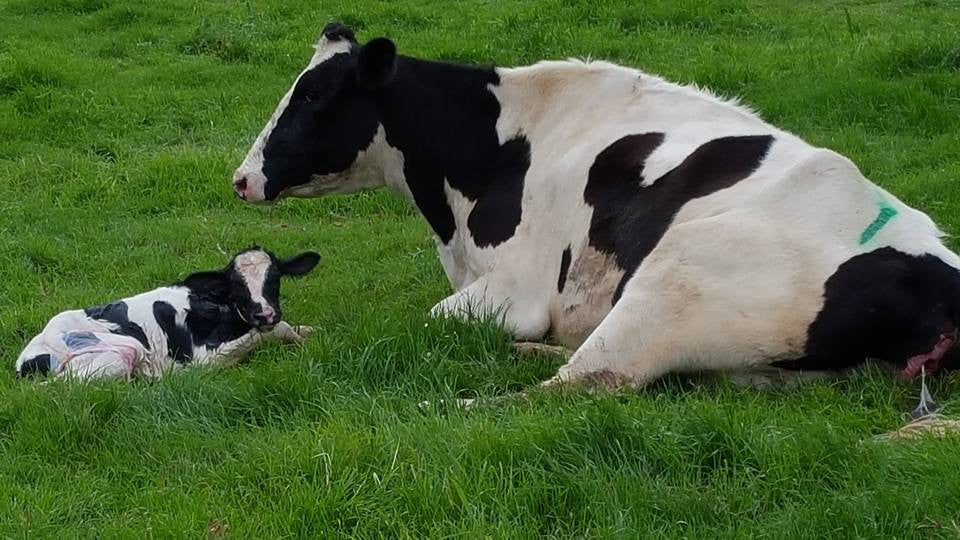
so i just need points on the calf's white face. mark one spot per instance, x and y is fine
(250, 284)
(254, 267)
(317, 136)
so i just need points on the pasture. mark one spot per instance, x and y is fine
(120, 124)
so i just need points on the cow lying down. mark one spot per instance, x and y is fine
(651, 227)
(214, 317)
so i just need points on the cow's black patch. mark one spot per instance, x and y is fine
(884, 304)
(116, 313)
(441, 116)
(564, 268)
(630, 219)
(497, 211)
(38, 365)
(179, 343)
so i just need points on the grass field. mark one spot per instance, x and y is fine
(120, 122)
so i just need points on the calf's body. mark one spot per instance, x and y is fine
(210, 318)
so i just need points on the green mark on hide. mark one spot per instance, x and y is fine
(886, 214)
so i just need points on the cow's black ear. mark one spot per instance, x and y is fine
(298, 265)
(336, 31)
(209, 284)
(377, 63)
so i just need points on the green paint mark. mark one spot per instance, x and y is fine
(886, 214)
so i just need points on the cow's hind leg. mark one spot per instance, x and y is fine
(695, 304)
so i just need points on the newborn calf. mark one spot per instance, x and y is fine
(214, 317)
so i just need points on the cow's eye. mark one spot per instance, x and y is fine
(311, 96)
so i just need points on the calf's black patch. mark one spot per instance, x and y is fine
(564, 268)
(212, 324)
(884, 304)
(38, 365)
(116, 313)
(630, 219)
(179, 344)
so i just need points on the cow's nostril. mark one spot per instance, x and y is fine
(240, 187)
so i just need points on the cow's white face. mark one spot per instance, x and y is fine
(319, 139)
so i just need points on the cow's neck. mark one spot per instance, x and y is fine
(443, 118)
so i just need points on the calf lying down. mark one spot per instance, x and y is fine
(214, 317)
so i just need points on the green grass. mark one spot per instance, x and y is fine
(120, 122)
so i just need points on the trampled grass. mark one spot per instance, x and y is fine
(120, 122)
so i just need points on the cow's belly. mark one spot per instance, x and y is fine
(586, 297)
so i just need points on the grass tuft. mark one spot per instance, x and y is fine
(230, 43)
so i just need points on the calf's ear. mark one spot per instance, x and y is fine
(298, 265)
(213, 284)
(377, 63)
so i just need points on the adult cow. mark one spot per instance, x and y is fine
(653, 226)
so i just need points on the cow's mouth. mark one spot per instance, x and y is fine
(929, 361)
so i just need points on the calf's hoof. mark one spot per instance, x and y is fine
(304, 331)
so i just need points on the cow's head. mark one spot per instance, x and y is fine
(320, 138)
(250, 284)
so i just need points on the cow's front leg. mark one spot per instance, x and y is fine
(518, 307)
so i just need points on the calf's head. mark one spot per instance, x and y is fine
(320, 139)
(250, 284)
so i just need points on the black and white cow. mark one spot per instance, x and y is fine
(214, 317)
(653, 226)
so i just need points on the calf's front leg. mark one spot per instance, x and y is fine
(232, 352)
(290, 334)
